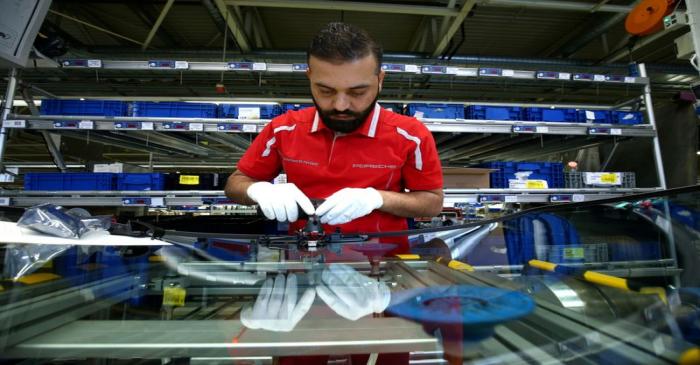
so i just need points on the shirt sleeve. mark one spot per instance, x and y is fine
(261, 161)
(422, 170)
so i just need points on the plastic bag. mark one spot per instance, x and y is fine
(56, 221)
(21, 260)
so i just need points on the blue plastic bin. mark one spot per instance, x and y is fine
(551, 115)
(267, 111)
(107, 108)
(594, 116)
(627, 118)
(140, 181)
(173, 109)
(288, 106)
(69, 181)
(552, 172)
(441, 111)
(488, 112)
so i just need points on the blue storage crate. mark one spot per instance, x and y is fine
(551, 115)
(627, 118)
(69, 181)
(287, 107)
(394, 107)
(173, 109)
(552, 172)
(266, 111)
(107, 108)
(140, 181)
(595, 116)
(488, 112)
(441, 111)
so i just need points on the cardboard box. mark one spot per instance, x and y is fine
(466, 178)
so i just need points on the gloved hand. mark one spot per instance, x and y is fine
(348, 204)
(276, 308)
(279, 201)
(351, 294)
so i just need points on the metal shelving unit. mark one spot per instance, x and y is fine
(214, 125)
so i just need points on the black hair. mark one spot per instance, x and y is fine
(341, 42)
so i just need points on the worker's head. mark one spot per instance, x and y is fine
(345, 74)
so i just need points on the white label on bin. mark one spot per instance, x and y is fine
(147, 126)
(250, 128)
(461, 71)
(602, 178)
(452, 70)
(259, 66)
(182, 65)
(564, 76)
(615, 131)
(86, 124)
(94, 63)
(248, 113)
(577, 198)
(630, 80)
(196, 127)
(157, 202)
(15, 124)
(590, 115)
(508, 73)
(511, 198)
(4, 202)
(412, 68)
(542, 129)
(418, 114)
(598, 77)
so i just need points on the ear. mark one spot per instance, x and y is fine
(381, 79)
(308, 73)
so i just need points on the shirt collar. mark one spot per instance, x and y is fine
(368, 128)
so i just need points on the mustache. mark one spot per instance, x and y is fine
(344, 113)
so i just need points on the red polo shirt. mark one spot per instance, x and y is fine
(388, 152)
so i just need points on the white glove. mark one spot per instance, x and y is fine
(279, 201)
(177, 259)
(276, 308)
(348, 204)
(351, 294)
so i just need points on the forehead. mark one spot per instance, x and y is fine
(343, 74)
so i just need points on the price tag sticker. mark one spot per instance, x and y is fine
(452, 71)
(602, 178)
(157, 202)
(86, 124)
(94, 63)
(259, 66)
(4, 201)
(630, 80)
(535, 184)
(173, 296)
(610, 178)
(564, 76)
(11, 123)
(615, 131)
(511, 199)
(182, 65)
(196, 127)
(598, 77)
(189, 179)
(412, 68)
(250, 128)
(507, 73)
(541, 129)
(577, 198)
(147, 126)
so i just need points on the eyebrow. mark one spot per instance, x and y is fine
(362, 86)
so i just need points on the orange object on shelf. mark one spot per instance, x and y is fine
(648, 17)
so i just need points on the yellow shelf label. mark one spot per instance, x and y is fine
(573, 253)
(189, 180)
(609, 178)
(535, 184)
(174, 296)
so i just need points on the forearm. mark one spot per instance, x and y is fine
(237, 188)
(412, 204)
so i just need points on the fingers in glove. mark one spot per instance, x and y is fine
(267, 209)
(273, 306)
(247, 318)
(346, 286)
(329, 203)
(260, 307)
(290, 207)
(335, 303)
(300, 310)
(290, 297)
(303, 201)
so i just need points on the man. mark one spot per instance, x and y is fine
(347, 150)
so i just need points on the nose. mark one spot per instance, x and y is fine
(341, 102)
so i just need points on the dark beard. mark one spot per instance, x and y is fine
(344, 126)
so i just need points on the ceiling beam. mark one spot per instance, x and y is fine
(156, 25)
(116, 35)
(456, 23)
(349, 6)
(234, 25)
(559, 5)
